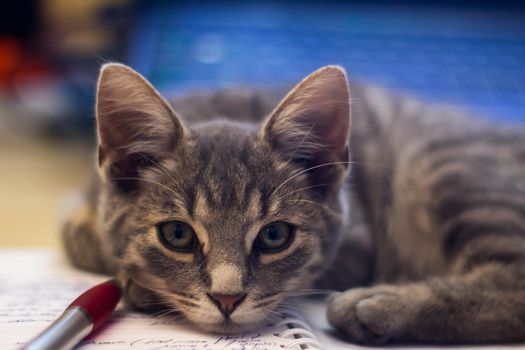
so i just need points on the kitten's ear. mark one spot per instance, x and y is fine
(135, 124)
(311, 124)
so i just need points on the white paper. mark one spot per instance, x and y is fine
(36, 286)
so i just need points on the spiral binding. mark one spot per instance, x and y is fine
(299, 332)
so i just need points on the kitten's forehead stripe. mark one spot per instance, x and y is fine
(201, 203)
(264, 201)
(249, 191)
(230, 170)
(190, 202)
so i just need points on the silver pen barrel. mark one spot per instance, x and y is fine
(63, 334)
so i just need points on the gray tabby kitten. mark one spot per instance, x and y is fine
(222, 219)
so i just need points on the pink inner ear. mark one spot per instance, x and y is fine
(336, 134)
(131, 114)
(314, 118)
(134, 124)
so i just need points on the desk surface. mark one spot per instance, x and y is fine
(35, 178)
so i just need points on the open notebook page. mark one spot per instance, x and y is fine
(36, 286)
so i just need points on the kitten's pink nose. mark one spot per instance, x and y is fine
(227, 303)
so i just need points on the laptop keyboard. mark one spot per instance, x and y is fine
(475, 58)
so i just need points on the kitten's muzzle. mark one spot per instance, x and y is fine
(227, 303)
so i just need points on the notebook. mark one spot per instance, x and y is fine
(36, 286)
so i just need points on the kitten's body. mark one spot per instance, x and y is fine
(437, 220)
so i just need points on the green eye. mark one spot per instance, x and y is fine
(177, 236)
(275, 237)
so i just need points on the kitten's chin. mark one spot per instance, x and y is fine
(229, 327)
(237, 323)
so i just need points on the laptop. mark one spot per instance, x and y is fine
(467, 53)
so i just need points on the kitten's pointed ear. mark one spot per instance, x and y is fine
(311, 124)
(135, 124)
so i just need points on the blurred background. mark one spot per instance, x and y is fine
(470, 53)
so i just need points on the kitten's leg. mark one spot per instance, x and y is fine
(83, 246)
(353, 262)
(483, 302)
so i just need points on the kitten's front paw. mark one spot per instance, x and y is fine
(375, 315)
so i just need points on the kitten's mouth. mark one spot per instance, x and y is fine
(243, 319)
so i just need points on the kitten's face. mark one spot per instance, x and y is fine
(222, 221)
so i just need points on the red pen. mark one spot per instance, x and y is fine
(81, 318)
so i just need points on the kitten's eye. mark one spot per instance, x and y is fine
(177, 236)
(275, 237)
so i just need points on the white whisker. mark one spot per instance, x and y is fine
(331, 211)
(324, 165)
(159, 166)
(302, 189)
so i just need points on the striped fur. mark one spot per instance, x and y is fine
(444, 199)
(433, 247)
